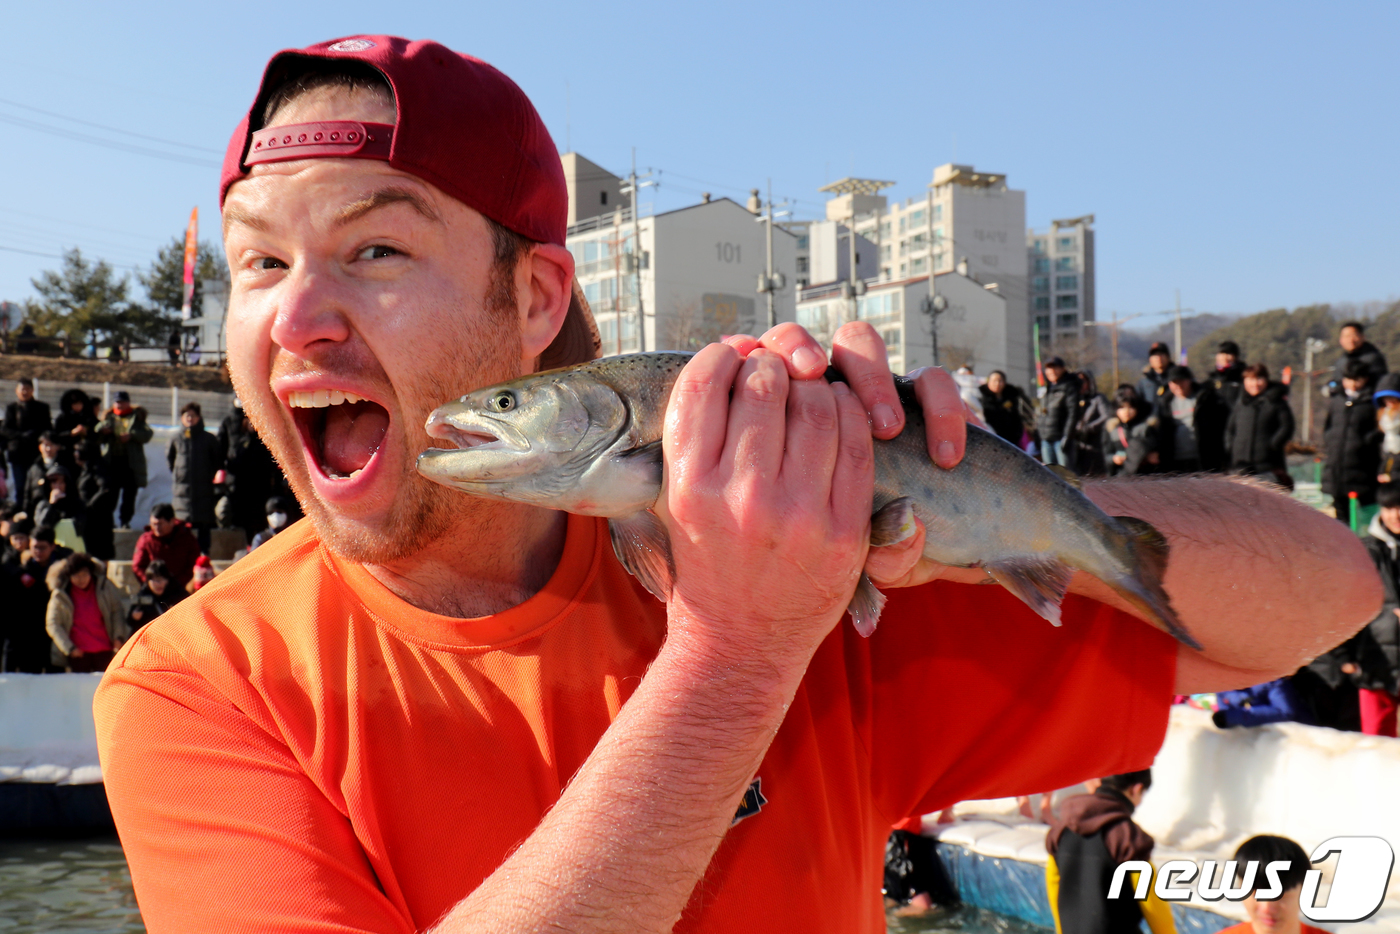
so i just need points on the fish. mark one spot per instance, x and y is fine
(586, 439)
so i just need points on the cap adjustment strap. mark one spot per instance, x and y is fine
(346, 139)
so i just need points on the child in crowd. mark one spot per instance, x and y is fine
(1371, 658)
(154, 598)
(1281, 915)
(203, 573)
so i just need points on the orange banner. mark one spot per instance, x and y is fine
(191, 252)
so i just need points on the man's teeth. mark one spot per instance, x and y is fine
(319, 398)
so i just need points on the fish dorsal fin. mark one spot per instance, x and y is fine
(644, 548)
(1151, 545)
(1067, 475)
(1039, 581)
(866, 605)
(893, 524)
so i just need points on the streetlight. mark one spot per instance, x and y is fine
(1311, 346)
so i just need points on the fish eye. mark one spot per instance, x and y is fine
(503, 402)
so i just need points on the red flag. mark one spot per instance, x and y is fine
(191, 252)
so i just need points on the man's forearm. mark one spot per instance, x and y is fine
(1264, 582)
(636, 828)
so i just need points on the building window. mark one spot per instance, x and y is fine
(1066, 282)
(1064, 264)
(1041, 283)
(604, 199)
(903, 224)
(937, 261)
(886, 273)
(1038, 245)
(903, 270)
(886, 252)
(938, 235)
(1066, 301)
(801, 264)
(812, 317)
(904, 248)
(1042, 265)
(892, 338)
(1065, 245)
(917, 218)
(919, 242)
(1042, 303)
(802, 242)
(885, 229)
(1043, 322)
(1067, 322)
(919, 265)
(878, 306)
(938, 212)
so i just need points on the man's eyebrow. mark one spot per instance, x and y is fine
(384, 197)
(234, 216)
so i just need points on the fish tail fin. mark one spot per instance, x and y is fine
(866, 605)
(893, 524)
(1038, 580)
(1144, 588)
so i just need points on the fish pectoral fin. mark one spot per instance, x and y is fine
(643, 546)
(1040, 582)
(866, 605)
(893, 524)
(1067, 475)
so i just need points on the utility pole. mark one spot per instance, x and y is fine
(1114, 334)
(635, 182)
(1180, 351)
(1310, 346)
(771, 282)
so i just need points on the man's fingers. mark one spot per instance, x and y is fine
(812, 438)
(859, 354)
(698, 413)
(944, 419)
(805, 358)
(853, 479)
(757, 415)
(891, 564)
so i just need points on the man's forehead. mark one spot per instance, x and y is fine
(342, 191)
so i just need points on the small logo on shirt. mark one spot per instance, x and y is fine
(351, 45)
(753, 801)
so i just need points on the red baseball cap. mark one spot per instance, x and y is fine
(462, 126)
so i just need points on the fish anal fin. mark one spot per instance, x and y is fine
(1144, 590)
(644, 548)
(894, 523)
(1067, 475)
(866, 606)
(1038, 581)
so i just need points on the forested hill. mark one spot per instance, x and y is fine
(1276, 338)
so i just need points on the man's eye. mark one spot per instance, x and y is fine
(269, 262)
(378, 251)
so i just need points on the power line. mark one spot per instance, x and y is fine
(15, 249)
(110, 129)
(99, 141)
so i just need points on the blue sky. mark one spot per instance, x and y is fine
(1245, 153)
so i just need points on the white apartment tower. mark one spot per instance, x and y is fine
(1062, 278)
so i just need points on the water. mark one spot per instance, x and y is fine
(73, 886)
(83, 887)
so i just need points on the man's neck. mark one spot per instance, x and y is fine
(501, 558)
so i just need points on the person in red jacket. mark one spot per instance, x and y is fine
(169, 540)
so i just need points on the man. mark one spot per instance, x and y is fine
(169, 540)
(124, 435)
(25, 419)
(30, 645)
(1356, 349)
(1087, 842)
(424, 710)
(1228, 378)
(36, 480)
(1372, 656)
(1153, 385)
(1282, 915)
(1195, 429)
(1005, 407)
(1260, 425)
(1054, 416)
(195, 458)
(1351, 441)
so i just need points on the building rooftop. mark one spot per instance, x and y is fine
(950, 173)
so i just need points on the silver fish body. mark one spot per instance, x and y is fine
(587, 439)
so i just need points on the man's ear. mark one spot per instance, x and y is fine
(545, 279)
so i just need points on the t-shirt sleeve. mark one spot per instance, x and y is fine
(221, 828)
(974, 696)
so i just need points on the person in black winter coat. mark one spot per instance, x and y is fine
(76, 419)
(1130, 438)
(1356, 349)
(1005, 407)
(1372, 656)
(1351, 439)
(1093, 413)
(36, 481)
(252, 474)
(194, 457)
(1193, 425)
(62, 500)
(1152, 388)
(1259, 427)
(1228, 378)
(25, 420)
(98, 495)
(1054, 416)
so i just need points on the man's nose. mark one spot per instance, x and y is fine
(310, 309)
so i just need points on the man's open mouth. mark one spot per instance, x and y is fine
(341, 430)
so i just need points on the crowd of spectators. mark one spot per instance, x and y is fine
(70, 480)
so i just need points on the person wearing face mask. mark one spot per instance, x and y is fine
(1351, 440)
(124, 433)
(278, 512)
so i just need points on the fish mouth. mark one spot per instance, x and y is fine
(470, 432)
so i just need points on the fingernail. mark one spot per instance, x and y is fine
(841, 389)
(946, 453)
(883, 416)
(805, 358)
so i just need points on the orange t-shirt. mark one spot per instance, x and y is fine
(1244, 927)
(295, 749)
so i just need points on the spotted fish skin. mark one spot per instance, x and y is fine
(587, 439)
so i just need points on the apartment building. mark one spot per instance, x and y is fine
(688, 275)
(1061, 264)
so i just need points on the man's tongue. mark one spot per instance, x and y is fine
(353, 433)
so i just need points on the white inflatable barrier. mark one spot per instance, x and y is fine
(1212, 789)
(47, 734)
